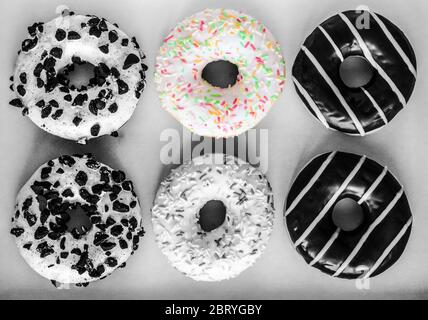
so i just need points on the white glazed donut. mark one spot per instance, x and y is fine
(226, 251)
(63, 110)
(45, 204)
(219, 35)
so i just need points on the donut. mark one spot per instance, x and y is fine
(219, 72)
(50, 200)
(51, 52)
(373, 244)
(212, 217)
(355, 72)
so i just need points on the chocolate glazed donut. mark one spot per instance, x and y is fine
(374, 245)
(355, 72)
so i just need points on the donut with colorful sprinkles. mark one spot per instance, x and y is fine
(52, 51)
(76, 220)
(219, 72)
(213, 216)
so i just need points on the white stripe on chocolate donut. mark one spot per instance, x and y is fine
(373, 186)
(311, 103)
(326, 247)
(376, 106)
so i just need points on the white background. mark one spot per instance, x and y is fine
(294, 138)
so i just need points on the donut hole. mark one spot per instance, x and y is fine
(212, 215)
(356, 72)
(221, 73)
(77, 75)
(347, 214)
(79, 222)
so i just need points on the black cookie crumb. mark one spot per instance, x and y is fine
(73, 35)
(60, 34)
(95, 130)
(104, 49)
(130, 60)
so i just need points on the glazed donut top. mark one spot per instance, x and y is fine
(374, 245)
(387, 51)
(45, 205)
(78, 113)
(212, 35)
(226, 251)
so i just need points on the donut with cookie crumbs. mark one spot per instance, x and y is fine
(51, 52)
(61, 250)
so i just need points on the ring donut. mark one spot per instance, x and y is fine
(355, 72)
(370, 248)
(213, 216)
(47, 202)
(219, 72)
(52, 50)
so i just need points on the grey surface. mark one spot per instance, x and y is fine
(294, 138)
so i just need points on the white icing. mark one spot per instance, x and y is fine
(248, 199)
(87, 48)
(63, 272)
(211, 35)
